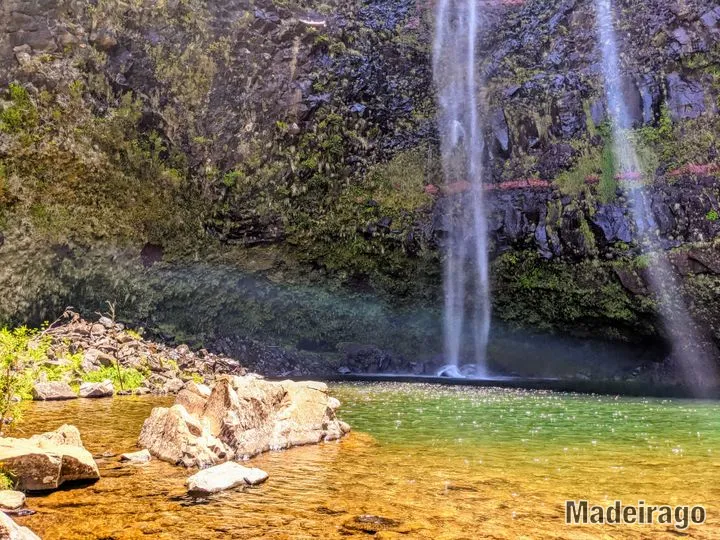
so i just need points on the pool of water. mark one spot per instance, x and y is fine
(423, 461)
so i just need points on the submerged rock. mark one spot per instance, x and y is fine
(137, 458)
(242, 417)
(44, 462)
(12, 531)
(97, 390)
(226, 476)
(52, 391)
(11, 500)
(370, 524)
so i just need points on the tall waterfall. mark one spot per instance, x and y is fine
(467, 290)
(691, 352)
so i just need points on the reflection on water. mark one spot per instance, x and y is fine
(423, 462)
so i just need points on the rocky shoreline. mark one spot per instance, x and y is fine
(221, 413)
(77, 347)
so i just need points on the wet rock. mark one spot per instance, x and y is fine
(137, 458)
(711, 18)
(11, 500)
(613, 223)
(52, 391)
(97, 390)
(631, 281)
(242, 417)
(12, 531)
(556, 158)
(39, 464)
(151, 254)
(366, 358)
(686, 99)
(223, 477)
(501, 132)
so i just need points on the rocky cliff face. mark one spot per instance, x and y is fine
(269, 169)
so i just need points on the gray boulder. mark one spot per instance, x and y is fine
(97, 390)
(52, 391)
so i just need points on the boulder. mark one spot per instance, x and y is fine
(200, 389)
(193, 403)
(97, 390)
(173, 386)
(42, 463)
(12, 531)
(11, 500)
(173, 435)
(225, 476)
(64, 435)
(138, 458)
(52, 391)
(242, 417)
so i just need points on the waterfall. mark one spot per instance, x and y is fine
(466, 251)
(693, 354)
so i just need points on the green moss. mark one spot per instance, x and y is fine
(673, 144)
(20, 114)
(574, 181)
(583, 297)
(80, 177)
(608, 171)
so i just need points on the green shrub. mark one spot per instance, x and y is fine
(122, 378)
(21, 350)
(6, 482)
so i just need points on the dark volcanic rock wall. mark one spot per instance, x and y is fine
(294, 143)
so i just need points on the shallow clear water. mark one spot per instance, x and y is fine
(437, 462)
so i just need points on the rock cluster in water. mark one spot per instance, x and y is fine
(240, 418)
(106, 343)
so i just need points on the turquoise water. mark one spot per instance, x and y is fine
(468, 417)
(423, 461)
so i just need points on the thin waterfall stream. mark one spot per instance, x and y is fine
(690, 350)
(466, 272)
